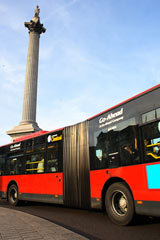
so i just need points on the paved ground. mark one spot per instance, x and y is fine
(93, 225)
(15, 225)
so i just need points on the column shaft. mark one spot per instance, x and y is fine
(30, 89)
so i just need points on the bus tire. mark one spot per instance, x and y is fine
(13, 195)
(119, 204)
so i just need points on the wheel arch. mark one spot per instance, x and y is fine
(108, 183)
(12, 182)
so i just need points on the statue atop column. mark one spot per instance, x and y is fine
(34, 25)
(28, 123)
(37, 11)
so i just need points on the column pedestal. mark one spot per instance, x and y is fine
(22, 130)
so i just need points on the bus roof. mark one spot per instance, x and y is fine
(36, 134)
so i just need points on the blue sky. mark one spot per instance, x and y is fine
(94, 54)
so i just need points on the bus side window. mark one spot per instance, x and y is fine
(16, 165)
(105, 154)
(52, 161)
(35, 163)
(11, 166)
(2, 164)
(54, 153)
(118, 146)
(151, 142)
(129, 150)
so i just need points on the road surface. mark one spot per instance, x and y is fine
(93, 224)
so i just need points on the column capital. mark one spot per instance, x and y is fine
(34, 25)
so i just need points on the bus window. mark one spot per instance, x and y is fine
(106, 150)
(115, 146)
(14, 165)
(128, 144)
(52, 161)
(2, 164)
(149, 116)
(29, 146)
(151, 142)
(35, 163)
(39, 143)
(53, 157)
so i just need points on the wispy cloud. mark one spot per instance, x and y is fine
(66, 112)
(63, 113)
(11, 17)
(60, 10)
(3, 8)
(46, 53)
(11, 75)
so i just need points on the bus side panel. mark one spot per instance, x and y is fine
(36, 186)
(2, 187)
(134, 176)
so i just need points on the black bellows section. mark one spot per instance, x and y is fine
(76, 166)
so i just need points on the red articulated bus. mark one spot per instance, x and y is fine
(110, 161)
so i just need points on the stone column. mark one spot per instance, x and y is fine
(30, 89)
(28, 123)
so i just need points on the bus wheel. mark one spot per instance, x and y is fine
(13, 195)
(119, 204)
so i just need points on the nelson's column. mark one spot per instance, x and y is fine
(28, 124)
